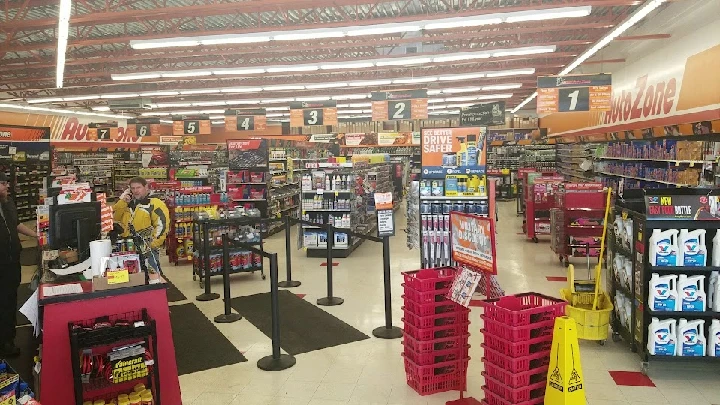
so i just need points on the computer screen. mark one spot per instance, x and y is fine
(75, 226)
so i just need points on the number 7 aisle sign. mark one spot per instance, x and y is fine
(399, 105)
(574, 93)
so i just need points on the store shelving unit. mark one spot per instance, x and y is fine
(26, 183)
(569, 158)
(284, 189)
(540, 200)
(619, 285)
(578, 221)
(503, 162)
(95, 168)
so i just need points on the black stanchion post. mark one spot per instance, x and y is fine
(228, 316)
(330, 300)
(207, 295)
(289, 282)
(276, 361)
(388, 331)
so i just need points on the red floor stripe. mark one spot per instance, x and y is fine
(631, 379)
(301, 296)
(324, 264)
(553, 278)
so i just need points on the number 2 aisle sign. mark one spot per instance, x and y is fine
(574, 93)
(399, 105)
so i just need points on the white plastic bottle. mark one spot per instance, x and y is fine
(713, 341)
(714, 293)
(663, 247)
(627, 274)
(628, 234)
(663, 293)
(691, 338)
(619, 228)
(691, 290)
(618, 266)
(662, 337)
(692, 249)
(716, 249)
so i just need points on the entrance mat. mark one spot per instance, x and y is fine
(23, 364)
(24, 294)
(173, 294)
(199, 345)
(303, 326)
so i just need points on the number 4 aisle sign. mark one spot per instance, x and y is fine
(574, 93)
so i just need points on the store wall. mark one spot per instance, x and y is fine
(676, 84)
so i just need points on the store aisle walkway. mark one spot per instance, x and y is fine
(371, 371)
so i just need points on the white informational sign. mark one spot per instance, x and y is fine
(464, 286)
(386, 223)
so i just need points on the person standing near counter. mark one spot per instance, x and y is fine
(10, 271)
(148, 216)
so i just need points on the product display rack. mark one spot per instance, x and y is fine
(622, 285)
(634, 203)
(503, 162)
(95, 168)
(569, 158)
(284, 191)
(540, 200)
(26, 182)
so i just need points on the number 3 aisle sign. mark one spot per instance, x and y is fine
(574, 93)
(304, 113)
(399, 105)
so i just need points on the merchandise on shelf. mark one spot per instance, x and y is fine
(574, 161)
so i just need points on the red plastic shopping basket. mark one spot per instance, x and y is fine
(429, 321)
(425, 346)
(426, 297)
(438, 377)
(518, 349)
(518, 333)
(492, 398)
(515, 395)
(439, 278)
(515, 380)
(523, 309)
(436, 332)
(430, 308)
(439, 356)
(516, 364)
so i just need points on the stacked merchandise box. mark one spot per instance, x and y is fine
(517, 341)
(436, 332)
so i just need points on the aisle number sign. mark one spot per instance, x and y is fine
(141, 128)
(102, 131)
(191, 125)
(246, 120)
(399, 105)
(574, 93)
(305, 113)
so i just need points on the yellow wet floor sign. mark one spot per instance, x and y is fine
(565, 377)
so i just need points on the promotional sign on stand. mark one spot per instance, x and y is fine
(453, 151)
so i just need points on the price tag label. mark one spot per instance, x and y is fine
(49, 254)
(320, 191)
(118, 276)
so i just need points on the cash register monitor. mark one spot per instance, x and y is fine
(75, 226)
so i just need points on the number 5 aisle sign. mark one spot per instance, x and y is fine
(191, 125)
(399, 105)
(574, 93)
(304, 113)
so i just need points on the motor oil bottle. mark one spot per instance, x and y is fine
(692, 249)
(716, 249)
(713, 341)
(691, 290)
(662, 337)
(472, 150)
(663, 293)
(714, 293)
(663, 247)
(691, 338)
(628, 234)
(619, 228)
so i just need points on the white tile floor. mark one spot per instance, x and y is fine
(371, 371)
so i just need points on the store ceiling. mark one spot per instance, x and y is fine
(101, 31)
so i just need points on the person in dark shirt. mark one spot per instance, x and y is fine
(9, 268)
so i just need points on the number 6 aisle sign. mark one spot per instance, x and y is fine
(304, 113)
(399, 105)
(574, 93)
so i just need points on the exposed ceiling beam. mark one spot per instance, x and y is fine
(643, 37)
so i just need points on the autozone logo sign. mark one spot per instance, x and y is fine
(73, 130)
(645, 100)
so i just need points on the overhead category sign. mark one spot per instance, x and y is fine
(246, 120)
(399, 105)
(143, 127)
(305, 113)
(572, 93)
(198, 125)
(479, 115)
(104, 131)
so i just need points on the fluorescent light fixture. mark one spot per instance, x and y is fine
(241, 90)
(462, 90)
(436, 100)
(351, 111)
(101, 108)
(234, 39)
(208, 104)
(415, 80)
(170, 105)
(403, 61)
(467, 76)
(331, 85)
(549, 14)
(167, 43)
(277, 100)
(80, 98)
(44, 100)
(63, 30)
(502, 86)
(62, 111)
(493, 96)
(217, 122)
(185, 73)
(274, 115)
(212, 111)
(381, 29)
(363, 83)
(166, 122)
(277, 108)
(434, 92)
(464, 98)
(513, 72)
(159, 93)
(240, 71)
(312, 98)
(118, 95)
(529, 50)
(284, 87)
(524, 102)
(360, 105)
(462, 56)
(459, 22)
(351, 97)
(154, 114)
(349, 65)
(308, 34)
(135, 76)
(346, 117)
(246, 102)
(217, 117)
(304, 68)
(444, 112)
(342, 105)
(199, 91)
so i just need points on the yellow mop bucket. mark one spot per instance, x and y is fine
(589, 307)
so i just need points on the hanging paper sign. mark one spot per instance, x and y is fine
(199, 125)
(399, 105)
(483, 115)
(572, 93)
(246, 120)
(473, 241)
(306, 113)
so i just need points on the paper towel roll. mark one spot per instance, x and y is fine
(98, 250)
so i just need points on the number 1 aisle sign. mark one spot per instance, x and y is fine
(574, 93)
(399, 105)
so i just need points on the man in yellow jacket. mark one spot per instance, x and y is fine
(148, 217)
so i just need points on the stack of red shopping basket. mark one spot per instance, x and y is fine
(517, 340)
(436, 332)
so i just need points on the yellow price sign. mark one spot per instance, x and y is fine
(118, 276)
